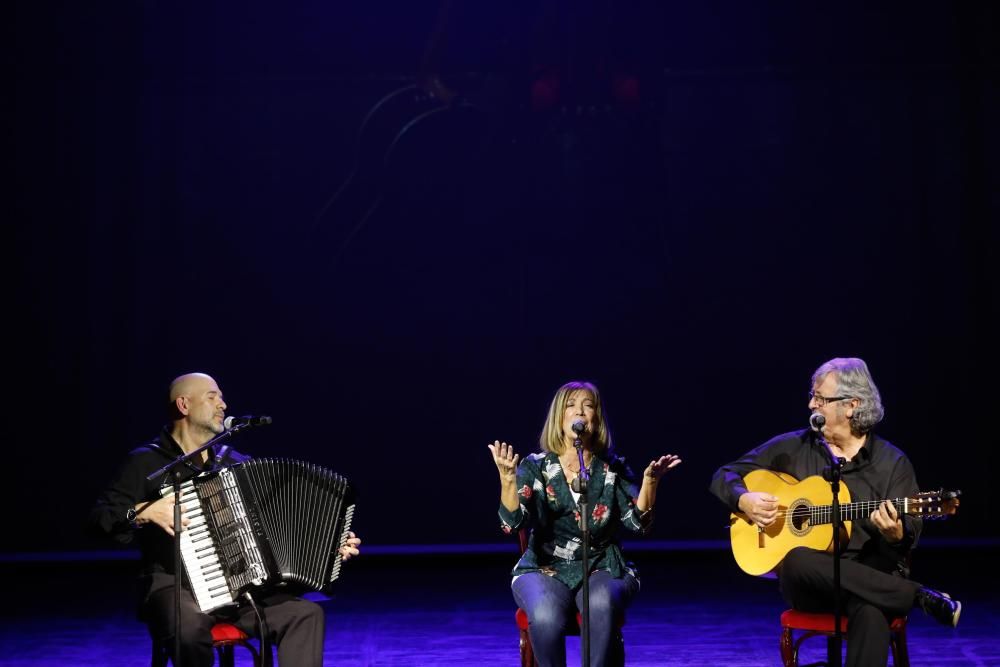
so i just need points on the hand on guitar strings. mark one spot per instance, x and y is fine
(762, 508)
(887, 520)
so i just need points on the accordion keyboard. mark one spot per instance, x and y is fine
(200, 555)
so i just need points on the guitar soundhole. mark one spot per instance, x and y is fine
(798, 517)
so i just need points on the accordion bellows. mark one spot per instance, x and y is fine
(262, 522)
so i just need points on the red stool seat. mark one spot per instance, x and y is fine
(224, 637)
(800, 620)
(224, 632)
(822, 624)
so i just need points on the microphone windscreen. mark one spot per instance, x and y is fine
(579, 427)
(817, 421)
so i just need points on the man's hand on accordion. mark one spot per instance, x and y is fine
(352, 547)
(160, 512)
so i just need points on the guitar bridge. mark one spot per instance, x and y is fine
(760, 537)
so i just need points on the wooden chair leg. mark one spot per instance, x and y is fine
(833, 651)
(616, 658)
(527, 653)
(900, 654)
(227, 653)
(787, 648)
(790, 645)
(226, 658)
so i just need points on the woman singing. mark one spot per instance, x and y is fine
(538, 494)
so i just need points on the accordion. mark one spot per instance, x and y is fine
(263, 522)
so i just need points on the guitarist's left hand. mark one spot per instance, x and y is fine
(887, 520)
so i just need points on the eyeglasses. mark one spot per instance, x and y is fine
(823, 400)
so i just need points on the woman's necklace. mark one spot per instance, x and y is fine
(573, 464)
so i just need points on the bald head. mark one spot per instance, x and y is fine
(185, 384)
(197, 409)
(190, 384)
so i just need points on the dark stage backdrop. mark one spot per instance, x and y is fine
(692, 206)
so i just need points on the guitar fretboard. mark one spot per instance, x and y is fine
(819, 514)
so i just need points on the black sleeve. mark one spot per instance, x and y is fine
(727, 482)
(902, 484)
(128, 487)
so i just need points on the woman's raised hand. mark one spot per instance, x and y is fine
(505, 460)
(658, 467)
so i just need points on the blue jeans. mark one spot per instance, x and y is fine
(551, 605)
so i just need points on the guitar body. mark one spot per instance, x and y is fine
(760, 551)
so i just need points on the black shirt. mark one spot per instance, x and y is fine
(878, 471)
(130, 487)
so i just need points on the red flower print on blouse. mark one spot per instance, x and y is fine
(550, 492)
(600, 513)
(525, 492)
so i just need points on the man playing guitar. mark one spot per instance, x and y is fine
(874, 563)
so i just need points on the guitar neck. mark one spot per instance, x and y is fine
(820, 514)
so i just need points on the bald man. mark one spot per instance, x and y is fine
(132, 510)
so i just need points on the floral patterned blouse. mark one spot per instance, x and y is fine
(548, 508)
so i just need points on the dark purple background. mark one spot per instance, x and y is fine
(796, 184)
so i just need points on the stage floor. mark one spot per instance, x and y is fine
(695, 608)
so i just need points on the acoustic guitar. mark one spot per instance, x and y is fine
(803, 522)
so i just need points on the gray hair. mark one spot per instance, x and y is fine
(855, 381)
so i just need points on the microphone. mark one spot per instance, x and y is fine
(579, 427)
(245, 420)
(817, 421)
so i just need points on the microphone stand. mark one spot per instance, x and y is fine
(833, 649)
(580, 486)
(174, 468)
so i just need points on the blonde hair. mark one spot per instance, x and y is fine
(551, 438)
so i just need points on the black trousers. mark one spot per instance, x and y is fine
(870, 597)
(295, 625)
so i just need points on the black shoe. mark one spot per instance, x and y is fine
(940, 606)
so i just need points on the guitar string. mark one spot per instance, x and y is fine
(868, 506)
